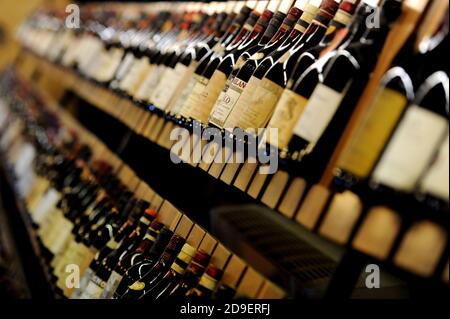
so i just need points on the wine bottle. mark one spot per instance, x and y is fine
(131, 259)
(318, 129)
(217, 74)
(138, 271)
(141, 286)
(97, 283)
(410, 67)
(163, 286)
(418, 135)
(233, 34)
(305, 76)
(177, 66)
(190, 278)
(199, 96)
(112, 244)
(207, 284)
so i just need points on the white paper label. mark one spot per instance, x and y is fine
(167, 86)
(318, 113)
(255, 105)
(125, 66)
(194, 99)
(184, 95)
(436, 180)
(45, 206)
(226, 101)
(150, 82)
(410, 148)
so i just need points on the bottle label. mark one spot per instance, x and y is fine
(318, 113)
(142, 69)
(127, 81)
(371, 135)
(44, 207)
(125, 66)
(255, 105)
(144, 91)
(226, 101)
(185, 94)
(111, 285)
(167, 86)
(410, 148)
(436, 180)
(195, 98)
(286, 114)
(208, 97)
(62, 232)
(110, 65)
(182, 84)
(94, 289)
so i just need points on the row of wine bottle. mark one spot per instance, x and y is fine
(87, 216)
(299, 67)
(246, 65)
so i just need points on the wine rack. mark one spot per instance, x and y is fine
(335, 216)
(299, 232)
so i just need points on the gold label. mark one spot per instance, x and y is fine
(137, 285)
(286, 114)
(255, 105)
(208, 282)
(364, 147)
(343, 17)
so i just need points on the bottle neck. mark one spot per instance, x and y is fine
(318, 26)
(300, 27)
(341, 20)
(272, 28)
(259, 30)
(235, 26)
(246, 30)
(286, 27)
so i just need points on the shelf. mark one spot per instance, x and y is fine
(337, 218)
